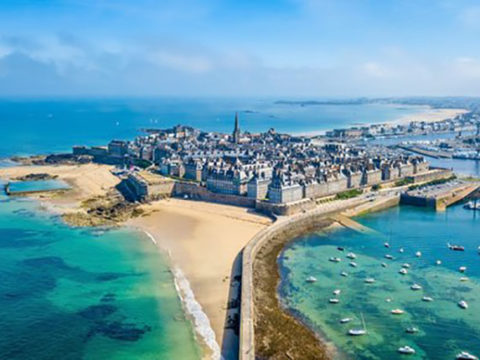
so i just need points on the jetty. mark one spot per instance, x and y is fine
(439, 197)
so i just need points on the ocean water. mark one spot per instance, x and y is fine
(85, 293)
(444, 328)
(31, 126)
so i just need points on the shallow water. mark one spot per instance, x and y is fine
(37, 185)
(445, 329)
(85, 294)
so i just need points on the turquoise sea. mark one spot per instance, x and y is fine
(84, 293)
(444, 328)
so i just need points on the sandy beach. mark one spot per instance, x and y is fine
(204, 241)
(429, 115)
(86, 181)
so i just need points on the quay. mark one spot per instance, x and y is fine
(439, 197)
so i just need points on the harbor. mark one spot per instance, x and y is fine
(426, 307)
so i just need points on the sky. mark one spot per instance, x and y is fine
(297, 48)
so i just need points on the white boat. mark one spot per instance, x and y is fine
(335, 259)
(403, 271)
(389, 257)
(407, 350)
(471, 206)
(387, 245)
(388, 300)
(359, 332)
(334, 301)
(438, 262)
(397, 312)
(462, 269)
(401, 250)
(369, 280)
(406, 266)
(384, 265)
(416, 287)
(311, 279)
(337, 292)
(464, 278)
(411, 330)
(427, 299)
(463, 304)
(418, 254)
(345, 320)
(344, 274)
(351, 255)
(353, 264)
(466, 356)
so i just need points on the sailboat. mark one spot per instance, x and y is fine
(466, 356)
(359, 332)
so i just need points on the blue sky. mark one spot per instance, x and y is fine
(312, 48)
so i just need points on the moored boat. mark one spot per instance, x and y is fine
(389, 257)
(462, 269)
(353, 264)
(463, 304)
(334, 301)
(466, 356)
(345, 320)
(311, 279)
(403, 271)
(397, 312)
(418, 254)
(427, 299)
(369, 280)
(335, 259)
(344, 274)
(406, 350)
(411, 330)
(337, 292)
(351, 255)
(455, 247)
(415, 287)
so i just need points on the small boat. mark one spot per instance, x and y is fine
(334, 301)
(311, 279)
(384, 265)
(418, 254)
(411, 330)
(397, 312)
(387, 245)
(464, 278)
(335, 259)
(345, 320)
(415, 287)
(369, 280)
(456, 247)
(466, 356)
(359, 332)
(344, 274)
(337, 292)
(427, 299)
(339, 248)
(401, 250)
(351, 255)
(438, 262)
(462, 269)
(403, 271)
(353, 264)
(388, 300)
(389, 257)
(406, 266)
(463, 304)
(407, 350)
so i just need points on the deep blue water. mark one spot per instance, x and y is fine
(44, 126)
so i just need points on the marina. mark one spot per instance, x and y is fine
(426, 309)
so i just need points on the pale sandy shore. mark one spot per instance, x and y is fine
(86, 181)
(204, 240)
(427, 115)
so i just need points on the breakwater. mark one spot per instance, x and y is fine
(271, 240)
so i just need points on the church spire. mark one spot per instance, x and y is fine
(236, 130)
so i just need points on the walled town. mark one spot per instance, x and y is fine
(266, 170)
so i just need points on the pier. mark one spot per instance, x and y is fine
(439, 197)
